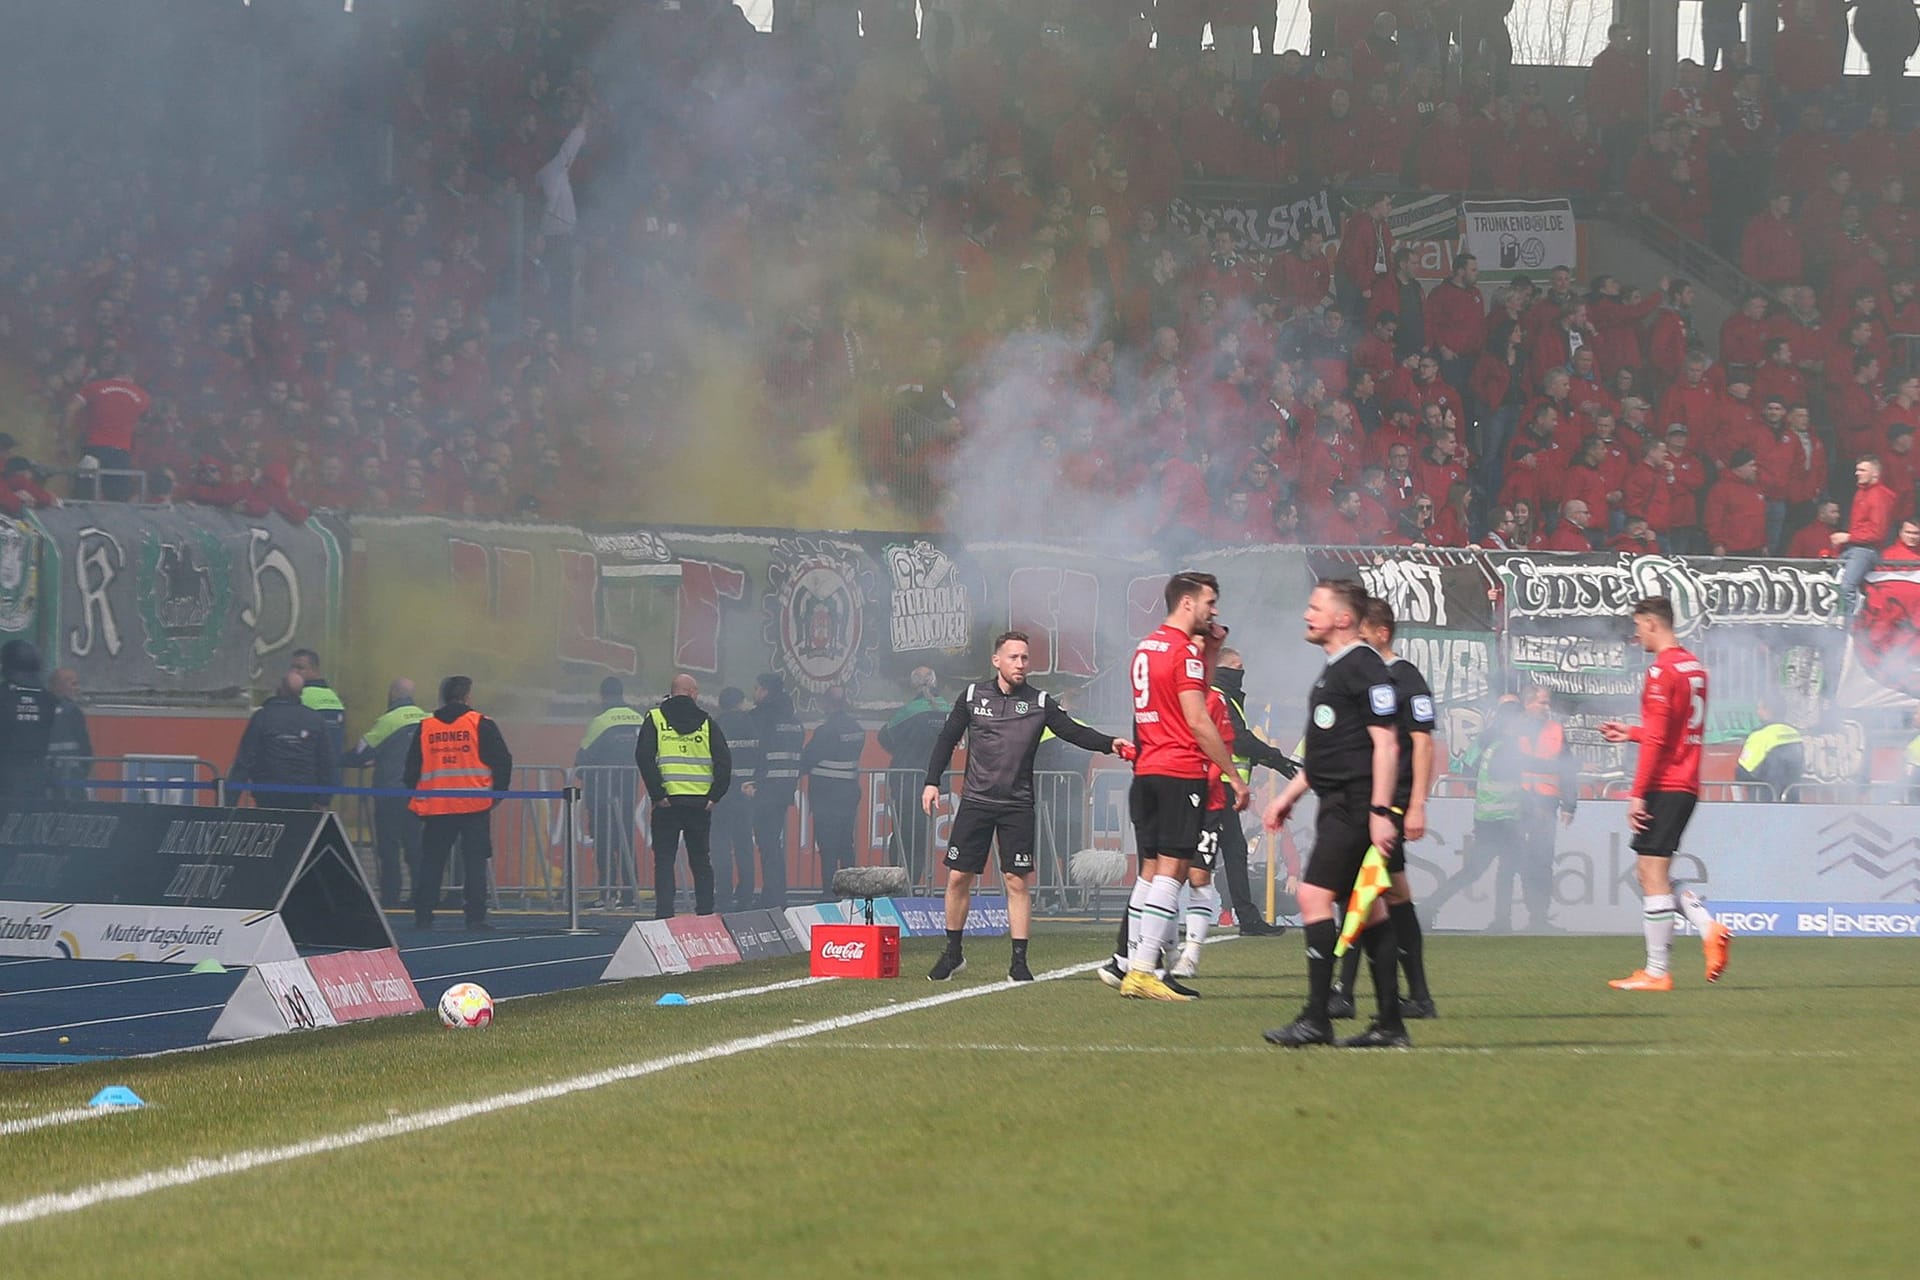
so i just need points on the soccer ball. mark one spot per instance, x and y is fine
(466, 1007)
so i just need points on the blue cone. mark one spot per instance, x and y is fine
(672, 997)
(116, 1095)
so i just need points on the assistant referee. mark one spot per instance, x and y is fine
(1352, 765)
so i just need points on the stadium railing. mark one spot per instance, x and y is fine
(145, 779)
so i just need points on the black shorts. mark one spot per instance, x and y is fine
(1167, 814)
(1669, 811)
(1207, 856)
(1340, 838)
(978, 826)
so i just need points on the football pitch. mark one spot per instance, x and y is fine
(1543, 1126)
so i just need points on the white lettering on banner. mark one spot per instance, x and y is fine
(1520, 235)
(1417, 592)
(1457, 669)
(1839, 756)
(273, 564)
(930, 606)
(843, 951)
(1749, 921)
(1272, 226)
(1743, 592)
(96, 563)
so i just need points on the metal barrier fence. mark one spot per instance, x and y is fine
(142, 779)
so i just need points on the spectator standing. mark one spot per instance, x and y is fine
(731, 846)
(396, 828)
(776, 777)
(317, 695)
(610, 786)
(1736, 518)
(70, 749)
(685, 763)
(107, 411)
(831, 764)
(285, 744)
(456, 749)
(26, 723)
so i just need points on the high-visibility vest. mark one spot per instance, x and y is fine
(321, 698)
(1540, 773)
(611, 718)
(450, 761)
(1242, 765)
(1762, 741)
(1913, 754)
(394, 720)
(685, 759)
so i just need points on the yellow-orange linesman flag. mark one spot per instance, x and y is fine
(1371, 883)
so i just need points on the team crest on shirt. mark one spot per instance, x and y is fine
(1020, 708)
(1323, 716)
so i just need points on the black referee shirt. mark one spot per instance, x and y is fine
(1355, 692)
(1415, 716)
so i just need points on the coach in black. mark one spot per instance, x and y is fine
(1352, 764)
(1002, 720)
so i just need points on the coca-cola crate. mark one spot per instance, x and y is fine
(856, 951)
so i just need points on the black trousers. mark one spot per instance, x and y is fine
(692, 821)
(770, 834)
(836, 810)
(610, 807)
(1532, 866)
(732, 853)
(396, 840)
(1233, 855)
(473, 832)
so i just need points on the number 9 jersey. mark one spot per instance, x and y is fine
(1166, 664)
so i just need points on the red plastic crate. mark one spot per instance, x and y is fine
(856, 951)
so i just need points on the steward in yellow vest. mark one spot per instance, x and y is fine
(1774, 754)
(686, 766)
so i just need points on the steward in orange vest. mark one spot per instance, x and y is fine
(455, 749)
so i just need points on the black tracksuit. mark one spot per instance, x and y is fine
(831, 763)
(776, 777)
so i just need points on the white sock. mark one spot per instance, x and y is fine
(1657, 921)
(1157, 923)
(1134, 903)
(1696, 911)
(1203, 905)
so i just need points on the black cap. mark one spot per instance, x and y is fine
(1741, 457)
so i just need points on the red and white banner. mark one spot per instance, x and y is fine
(704, 940)
(365, 984)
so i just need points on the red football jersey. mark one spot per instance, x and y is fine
(1166, 664)
(1673, 721)
(1217, 712)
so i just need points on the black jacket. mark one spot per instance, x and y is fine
(493, 747)
(1003, 735)
(285, 744)
(780, 736)
(70, 749)
(26, 727)
(1231, 682)
(683, 715)
(743, 744)
(831, 759)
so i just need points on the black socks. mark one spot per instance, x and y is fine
(1321, 937)
(1406, 927)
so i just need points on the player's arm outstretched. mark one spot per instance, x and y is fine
(1256, 749)
(1084, 736)
(1193, 705)
(943, 748)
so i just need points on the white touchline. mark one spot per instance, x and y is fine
(204, 1168)
(10, 1127)
(735, 994)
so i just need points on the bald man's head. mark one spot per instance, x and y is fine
(291, 684)
(1231, 660)
(400, 692)
(684, 686)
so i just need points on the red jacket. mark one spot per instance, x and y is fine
(1667, 344)
(1736, 516)
(1589, 485)
(1743, 341)
(1456, 318)
(1811, 541)
(1802, 467)
(1565, 538)
(1366, 250)
(1770, 251)
(1871, 522)
(1649, 494)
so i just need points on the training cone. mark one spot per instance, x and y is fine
(116, 1095)
(209, 965)
(672, 997)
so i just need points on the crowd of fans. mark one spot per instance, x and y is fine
(859, 229)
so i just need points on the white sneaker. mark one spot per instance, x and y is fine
(1189, 963)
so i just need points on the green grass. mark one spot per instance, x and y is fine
(1545, 1127)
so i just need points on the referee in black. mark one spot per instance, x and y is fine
(1410, 807)
(1352, 765)
(1002, 720)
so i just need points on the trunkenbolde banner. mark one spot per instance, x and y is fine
(172, 602)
